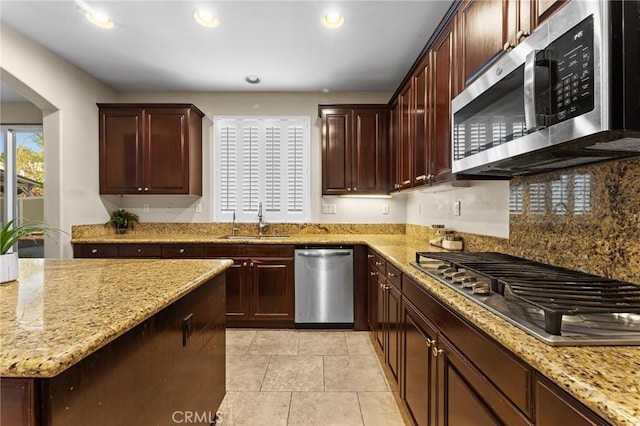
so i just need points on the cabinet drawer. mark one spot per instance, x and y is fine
(95, 250)
(376, 261)
(510, 375)
(394, 276)
(258, 250)
(140, 250)
(187, 251)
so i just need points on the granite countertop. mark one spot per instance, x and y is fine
(604, 378)
(61, 311)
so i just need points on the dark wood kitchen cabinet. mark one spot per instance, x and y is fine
(355, 149)
(488, 29)
(444, 88)
(384, 307)
(404, 142)
(260, 284)
(150, 149)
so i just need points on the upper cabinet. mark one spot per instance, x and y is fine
(355, 149)
(489, 28)
(150, 149)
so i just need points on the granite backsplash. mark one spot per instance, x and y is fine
(585, 218)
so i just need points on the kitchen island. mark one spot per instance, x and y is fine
(112, 341)
(603, 378)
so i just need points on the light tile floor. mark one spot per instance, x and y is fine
(305, 377)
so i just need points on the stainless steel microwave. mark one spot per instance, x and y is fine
(568, 95)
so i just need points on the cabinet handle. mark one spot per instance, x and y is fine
(422, 177)
(387, 287)
(373, 274)
(406, 182)
(391, 275)
(94, 251)
(430, 177)
(370, 256)
(520, 34)
(244, 264)
(181, 251)
(378, 263)
(507, 46)
(429, 342)
(139, 189)
(435, 350)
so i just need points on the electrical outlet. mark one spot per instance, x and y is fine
(145, 208)
(329, 209)
(187, 329)
(385, 209)
(198, 208)
(456, 208)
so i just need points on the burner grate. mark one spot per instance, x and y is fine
(556, 291)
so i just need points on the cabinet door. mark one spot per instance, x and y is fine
(482, 35)
(418, 380)
(421, 127)
(545, 8)
(394, 328)
(336, 152)
(555, 407)
(373, 297)
(272, 289)
(121, 146)
(405, 144)
(368, 151)
(237, 289)
(166, 156)
(381, 313)
(466, 396)
(443, 90)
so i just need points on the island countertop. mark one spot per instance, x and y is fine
(604, 378)
(61, 311)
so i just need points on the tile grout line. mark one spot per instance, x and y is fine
(360, 407)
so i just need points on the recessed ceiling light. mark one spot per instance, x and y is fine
(99, 19)
(333, 20)
(252, 79)
(205, 18)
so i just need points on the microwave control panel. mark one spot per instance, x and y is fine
(571, 72)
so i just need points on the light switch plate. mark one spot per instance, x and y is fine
(456, 208)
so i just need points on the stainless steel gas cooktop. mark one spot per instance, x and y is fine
(559, 306)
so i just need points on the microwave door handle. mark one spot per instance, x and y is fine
(530, 91)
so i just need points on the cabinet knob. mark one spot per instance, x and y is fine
(139, 250)
(355, 189)
(181, 251)
(146, 188)
(244, 264)
(391, 275)
(139, 189)
(251, 264)
(429, 342)
(370, 256)
(378, 263)
(435, 350)
(94, 251)
(349, 189)
(387, 287)
(507, 46)
(520, 34)
(373, 274)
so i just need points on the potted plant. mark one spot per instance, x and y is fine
(10, 233)
(123, 220)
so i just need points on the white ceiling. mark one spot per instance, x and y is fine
(157, 46)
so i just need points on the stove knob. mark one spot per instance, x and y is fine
(468, 282)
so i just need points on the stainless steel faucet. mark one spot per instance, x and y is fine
(233, 225)
(261, 225)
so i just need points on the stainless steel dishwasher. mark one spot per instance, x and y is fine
(324, 287)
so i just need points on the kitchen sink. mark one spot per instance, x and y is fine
(253, 237)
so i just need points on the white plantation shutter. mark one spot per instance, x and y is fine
(271, 167)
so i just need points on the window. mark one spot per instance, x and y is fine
(262, 160)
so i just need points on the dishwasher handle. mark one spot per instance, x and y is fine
(318, 253)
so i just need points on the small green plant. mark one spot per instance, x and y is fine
(123, 219)
(10, 234)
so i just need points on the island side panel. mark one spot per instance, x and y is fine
(147, 376)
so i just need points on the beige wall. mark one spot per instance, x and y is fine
(170, 209)
(67, 96)
(20, 113)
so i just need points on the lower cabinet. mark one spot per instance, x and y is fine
(260, 284)
(556, 407)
